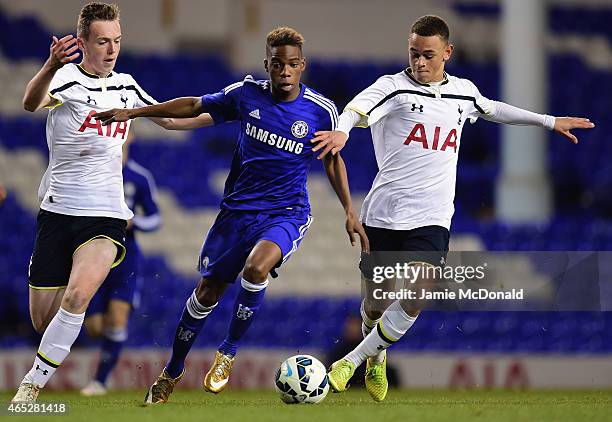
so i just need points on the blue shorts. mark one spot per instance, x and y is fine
(123, 282)
(235, 233)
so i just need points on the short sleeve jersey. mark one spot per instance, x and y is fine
(273, 153)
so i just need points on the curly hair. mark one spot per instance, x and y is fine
(284, 36)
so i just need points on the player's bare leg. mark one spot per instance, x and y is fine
(112, 326)
(90, 266)
(44, 304)
(262, 259)
(199, 305)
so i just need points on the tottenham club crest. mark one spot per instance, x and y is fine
(299, 129)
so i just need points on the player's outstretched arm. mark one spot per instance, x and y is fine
(563, 125)
(189, 123)
(178, 108)
(336, 173)
(62, 51)
(505, 113)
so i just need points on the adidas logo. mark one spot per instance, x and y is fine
(255, 114)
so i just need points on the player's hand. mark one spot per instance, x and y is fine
(563, 125)
(332, 141)
(62, 51)
(353, 227)
(114, 115)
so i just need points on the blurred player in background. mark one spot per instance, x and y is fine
(82, 219)
(416, 117)
(3, 195)
(265, 211)
(109, 310)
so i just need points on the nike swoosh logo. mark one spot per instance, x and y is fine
(215, 384)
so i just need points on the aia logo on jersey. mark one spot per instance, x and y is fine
(299, 129)
(115, 130)
(418, 134)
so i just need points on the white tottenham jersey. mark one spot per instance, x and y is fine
(84, 177)
(416, 130)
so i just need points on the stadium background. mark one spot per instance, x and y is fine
(189, 47)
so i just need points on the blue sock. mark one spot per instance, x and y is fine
(192, 320)
(109, 356)
(247, 304)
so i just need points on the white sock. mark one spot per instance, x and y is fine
(196, 309)
(391, 327)
(55, 345)
(367, 325)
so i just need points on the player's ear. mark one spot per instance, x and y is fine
(81, 45)
(303, 63)
(266, 65)
(448, 51)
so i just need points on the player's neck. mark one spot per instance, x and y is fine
(87, 68)
(284, 96)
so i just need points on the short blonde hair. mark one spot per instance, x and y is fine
(284, 36)
(95, 12)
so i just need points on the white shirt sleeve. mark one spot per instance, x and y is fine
(481, 107)
(348, 120)
(59, 86)
(374, 102)
(505, 113)
(499, 112)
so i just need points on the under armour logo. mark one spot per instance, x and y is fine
(184, 335)
(44, 371)
(124, 101)
(442, 261)
(91, 100)
(414, 107)
(381, 347)
(244, 312)
(460, 111)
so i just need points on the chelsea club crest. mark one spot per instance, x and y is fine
(299, 129)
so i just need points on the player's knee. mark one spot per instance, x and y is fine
(75, 301)
(411, 307)
(255, 272)
(209, 292)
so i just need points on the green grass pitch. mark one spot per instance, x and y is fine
(400, 405)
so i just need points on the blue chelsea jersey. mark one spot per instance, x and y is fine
(273, 153)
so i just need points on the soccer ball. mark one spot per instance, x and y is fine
(301, 379)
